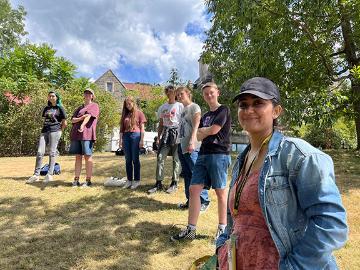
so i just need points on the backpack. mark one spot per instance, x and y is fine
(44, 170)
(119, 152)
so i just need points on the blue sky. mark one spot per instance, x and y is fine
(140, 40)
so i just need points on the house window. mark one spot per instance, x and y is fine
(110, 86)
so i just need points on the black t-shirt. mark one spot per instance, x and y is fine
(53, 116)
(220, 142)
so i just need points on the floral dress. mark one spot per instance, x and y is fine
(255, 248)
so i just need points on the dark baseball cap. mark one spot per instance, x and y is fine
(260, 87)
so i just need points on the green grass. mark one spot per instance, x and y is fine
(60, 227)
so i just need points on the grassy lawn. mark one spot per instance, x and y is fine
(60, 227)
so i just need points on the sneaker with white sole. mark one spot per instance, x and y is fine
(48, 178)
(32, 179)
(86, 184)
(76, 183)
(127, 184)
(186, 234)
(172, 188)
(204, 207)
(135, 184)
(158, 187)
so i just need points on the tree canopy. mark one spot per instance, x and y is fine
(38, 61)
(27, 72)
(12, 26)
(306, 47)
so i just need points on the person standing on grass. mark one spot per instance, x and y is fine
(189, 146)
(212, 164)
(83, 136)
(169, 118)
(284, 208)
(131, 140)
(54, 122)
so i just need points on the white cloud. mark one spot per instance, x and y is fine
(96, 34)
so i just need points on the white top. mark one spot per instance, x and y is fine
(170, 114)
(186, 126)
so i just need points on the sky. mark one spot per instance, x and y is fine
(139, 40)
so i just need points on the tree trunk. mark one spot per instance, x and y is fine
(355, 87)
(352, 59)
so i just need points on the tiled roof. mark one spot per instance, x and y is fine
(144, 89)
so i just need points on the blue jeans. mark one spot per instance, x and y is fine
(50, 139)
(131, 149)
(211, 171)
(187, 163)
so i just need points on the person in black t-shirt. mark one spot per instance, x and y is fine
(54, 122)
(211, 166)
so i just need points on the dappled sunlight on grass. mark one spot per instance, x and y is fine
(60, 227)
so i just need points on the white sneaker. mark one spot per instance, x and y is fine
(48, 178)
(32, 179)
(127, 185)
(135, 184)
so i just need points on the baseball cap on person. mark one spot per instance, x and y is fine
(260, 87)
(89, 90)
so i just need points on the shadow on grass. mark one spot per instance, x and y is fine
(89, 233)
(347, 169)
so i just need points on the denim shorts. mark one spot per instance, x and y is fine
(211, 171)
(81, 148)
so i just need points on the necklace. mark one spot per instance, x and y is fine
(241, 182)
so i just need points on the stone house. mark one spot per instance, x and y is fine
(111, 83)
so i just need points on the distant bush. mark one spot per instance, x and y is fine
(20, 124)
(340, 135)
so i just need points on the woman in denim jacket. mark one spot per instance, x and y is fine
(284, 208)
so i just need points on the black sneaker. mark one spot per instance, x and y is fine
(186, 234)
(158, 187)
(204, 207)
(184, 206)
(76, 183)
(172, 188)
(87, 184)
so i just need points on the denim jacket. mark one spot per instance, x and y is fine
(300, 202)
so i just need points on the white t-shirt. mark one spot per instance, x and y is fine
(170, 114)
(186, 126)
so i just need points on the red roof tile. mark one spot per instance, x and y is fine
(144, 89)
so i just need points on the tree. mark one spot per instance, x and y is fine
(150, 106)
(11, 26)
(20, 124)
(174, 79)
(307, 47)
(38, 61)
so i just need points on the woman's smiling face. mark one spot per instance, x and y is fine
(256, 115)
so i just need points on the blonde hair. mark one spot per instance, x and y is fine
(187, 91)
(127, 113)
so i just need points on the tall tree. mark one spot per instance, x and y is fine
(39, 61)
(175, 78)
(307, 47)
(11, 26)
